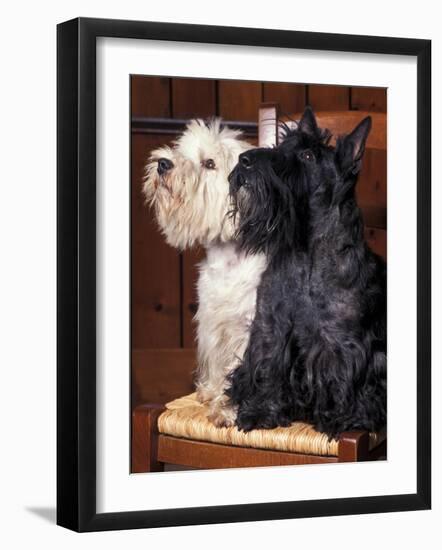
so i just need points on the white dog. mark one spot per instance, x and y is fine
(188, 188)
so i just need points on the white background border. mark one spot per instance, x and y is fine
(116, 490)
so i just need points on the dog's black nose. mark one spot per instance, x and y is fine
(246, 159)
(163, 166)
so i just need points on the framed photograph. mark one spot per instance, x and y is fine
(229, 200)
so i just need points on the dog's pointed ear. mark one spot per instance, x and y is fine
(350, 149)
(308, 124)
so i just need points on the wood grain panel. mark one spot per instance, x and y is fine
(239, 100)
(328, 98)
(150, 96)
(369, 99)
(291, 98)
(377, 240)
(160, 375)
(371, 188)
(193, 98)
(155, 271)
(191, 259)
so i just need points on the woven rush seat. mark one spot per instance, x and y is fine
(187, 418)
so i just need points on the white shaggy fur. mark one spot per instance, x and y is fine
(191, 203)
(227, 298)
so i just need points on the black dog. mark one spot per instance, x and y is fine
(317, 350)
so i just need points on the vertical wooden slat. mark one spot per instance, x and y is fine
(155, 269)
(150, 96)
(369, 99)
(155, 265)
(328, 98)
(371, 188)
(192, 98)
(268, 117)
(291, 98)
(239, 100)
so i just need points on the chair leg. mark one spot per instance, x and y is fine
(144, 456)
(353, 447)
(379, 452)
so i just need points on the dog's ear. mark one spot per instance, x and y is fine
(308, 124)
(350, 149)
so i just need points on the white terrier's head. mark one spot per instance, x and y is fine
(187, 184)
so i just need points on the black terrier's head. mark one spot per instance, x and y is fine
(279, 193)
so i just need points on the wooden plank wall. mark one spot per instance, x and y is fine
(163, 281)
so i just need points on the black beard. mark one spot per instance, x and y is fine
(269, 217)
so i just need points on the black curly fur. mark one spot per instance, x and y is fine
(317, 349)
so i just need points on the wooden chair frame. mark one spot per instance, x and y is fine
(151, 450)
(341, 122)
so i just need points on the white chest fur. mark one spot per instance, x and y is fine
(227, 299)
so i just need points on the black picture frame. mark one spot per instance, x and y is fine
(76, 273)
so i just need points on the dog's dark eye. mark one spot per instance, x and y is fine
(209, 164)
(307, 155)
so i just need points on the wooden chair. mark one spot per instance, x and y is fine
(180, 434)
(161, 435)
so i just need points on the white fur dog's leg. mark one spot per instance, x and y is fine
(212, 383)
(227, 298)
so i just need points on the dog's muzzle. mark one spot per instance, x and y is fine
(250, 164)
(164, 165)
